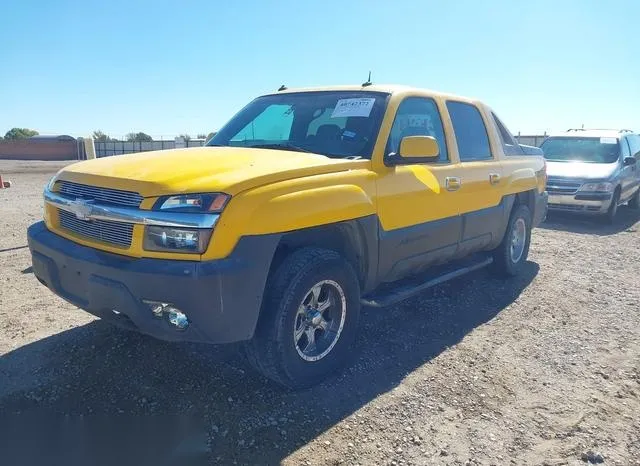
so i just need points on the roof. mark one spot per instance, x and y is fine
(386, 88)
(592, 133)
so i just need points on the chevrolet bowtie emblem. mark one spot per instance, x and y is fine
(82, 209)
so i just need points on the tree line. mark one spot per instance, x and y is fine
(25, 133)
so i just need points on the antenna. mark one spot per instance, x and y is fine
(282, 88)
(368, 82)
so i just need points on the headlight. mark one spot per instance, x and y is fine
(189, 240)
(214, 202)
(597, 187)
(179, 239)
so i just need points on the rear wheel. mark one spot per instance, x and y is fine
(309, 319)
(510, 256)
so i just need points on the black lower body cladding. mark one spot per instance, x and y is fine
(221, 298)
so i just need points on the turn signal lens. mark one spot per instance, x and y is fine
(214, 202)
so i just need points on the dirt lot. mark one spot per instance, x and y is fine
(542, 369)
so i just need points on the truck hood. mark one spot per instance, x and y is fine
(581, 170)
(202, 169)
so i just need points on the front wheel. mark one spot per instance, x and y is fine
(634, 202)
(309, 319)
(610, 216)
(510, 256)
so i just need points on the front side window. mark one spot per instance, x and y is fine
(341, 124)
(417, 116)
(634, 144)
(581, 149)
(470, 131)
(624, 146)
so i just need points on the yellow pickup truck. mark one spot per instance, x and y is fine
(306, 205)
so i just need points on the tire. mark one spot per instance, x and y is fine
(510, 257)
(634, 202)
(281, 348)
(610, 216)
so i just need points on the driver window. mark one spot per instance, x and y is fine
(418, 116)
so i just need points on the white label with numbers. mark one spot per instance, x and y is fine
(353, 108)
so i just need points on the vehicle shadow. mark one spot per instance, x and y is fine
(98, 395)
(582, 224)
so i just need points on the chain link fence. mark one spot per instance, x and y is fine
(109, 148)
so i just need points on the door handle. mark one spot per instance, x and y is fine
(494, 178)
(452, 183)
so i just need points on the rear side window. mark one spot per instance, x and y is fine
(470, 131)
(509, 144)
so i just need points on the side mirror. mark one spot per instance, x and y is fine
(629, 161)
(416, 149)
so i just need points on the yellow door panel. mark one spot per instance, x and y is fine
(413, 194)
(481, 185)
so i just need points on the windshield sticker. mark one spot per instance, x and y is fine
(608, 141)
(349, 134)
(353, 108)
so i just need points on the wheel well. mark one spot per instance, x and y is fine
(527, 198)
(343, 238)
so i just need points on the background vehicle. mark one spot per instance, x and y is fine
(305, 205)
(593, 171)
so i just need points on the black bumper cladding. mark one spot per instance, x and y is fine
(221, 298)
(542, 205)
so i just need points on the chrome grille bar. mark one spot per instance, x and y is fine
(104, 195)
(562, 186)
(115, 233)
(85, 210)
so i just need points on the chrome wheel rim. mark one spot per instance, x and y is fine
(518, 239)
(319, 320)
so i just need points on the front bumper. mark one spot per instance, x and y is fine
(221, 298)
(590, 203)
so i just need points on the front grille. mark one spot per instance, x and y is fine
(102, 195)
(115, 233)
(562, 185)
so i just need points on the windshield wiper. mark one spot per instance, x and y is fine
(284, 146)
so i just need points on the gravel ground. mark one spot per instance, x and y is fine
(541, 369)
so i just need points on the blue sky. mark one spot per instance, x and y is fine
(169, 67)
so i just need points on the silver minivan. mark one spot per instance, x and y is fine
(593, 171)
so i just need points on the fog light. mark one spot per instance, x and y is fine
(177, 318)
(157, 308)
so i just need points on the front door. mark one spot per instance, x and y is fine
(418, 204)
(629, 172)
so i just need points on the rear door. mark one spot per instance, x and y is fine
(480, 195)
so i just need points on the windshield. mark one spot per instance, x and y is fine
(570, 149)
(333, 123)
